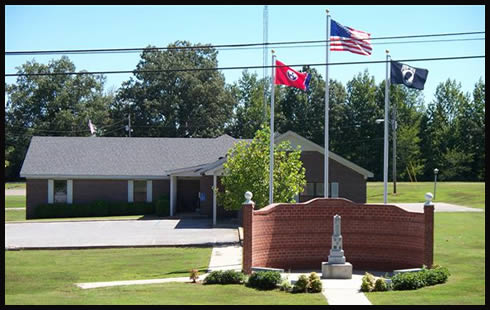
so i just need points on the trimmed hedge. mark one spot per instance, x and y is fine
(97, 208)
(264, 280)
(162, 206)
(415, 280)
(225, 277)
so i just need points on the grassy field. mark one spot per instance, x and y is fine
(15, 201)
(459, 245)
(48, 277)
(469, 194)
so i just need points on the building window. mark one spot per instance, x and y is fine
(139, 191)
(60, 191)
(313, 189)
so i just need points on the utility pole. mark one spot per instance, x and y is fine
(265, 56)
(129, 124)
(394, 125)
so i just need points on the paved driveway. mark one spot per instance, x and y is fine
(117, 233)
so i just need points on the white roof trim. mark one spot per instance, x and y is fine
(94, 177)
(307, 145)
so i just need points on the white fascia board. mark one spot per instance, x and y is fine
(95, 177)
(307, 145)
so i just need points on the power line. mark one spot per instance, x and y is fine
(218, 46)
(238, 67)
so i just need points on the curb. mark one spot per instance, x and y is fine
(190, 245)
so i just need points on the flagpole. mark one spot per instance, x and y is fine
(271, 168)
(385, 160)
(325, 164)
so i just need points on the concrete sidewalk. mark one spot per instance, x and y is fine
(438, 207)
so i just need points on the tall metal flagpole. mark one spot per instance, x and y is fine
(271, 168)
(325, 164)
(385, 160)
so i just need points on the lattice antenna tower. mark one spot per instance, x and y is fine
(265, 57)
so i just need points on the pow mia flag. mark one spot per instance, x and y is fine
(409, 76)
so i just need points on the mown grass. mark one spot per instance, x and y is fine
(15, 201)
(469, 194)
(459, 245)
(48, 277)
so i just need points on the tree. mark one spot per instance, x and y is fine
(51, 105)
(247, 169)
(248, 113)
(166, 102)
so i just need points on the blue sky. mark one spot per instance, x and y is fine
(86, 27)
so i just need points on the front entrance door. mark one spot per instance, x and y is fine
(187, 195)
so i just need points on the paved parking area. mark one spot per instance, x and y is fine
(167, 232)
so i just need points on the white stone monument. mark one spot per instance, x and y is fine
(336, 267)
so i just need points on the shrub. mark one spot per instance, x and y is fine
(162, 207)
(194, 275)
(408, 281)
(214, 277)
(285, 286)
(232, 277)
(264, 280)
(368, 282)
(314, 283)
(301, 286)
(380, 285)
(224, 277)
(436, 275)
(97, 208)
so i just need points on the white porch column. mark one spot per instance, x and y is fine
(130, 190)
(149, 191)
(214, 199)
(69, 191)
(173, 194)
(50, 191)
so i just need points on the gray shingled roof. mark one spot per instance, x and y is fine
(111, 156)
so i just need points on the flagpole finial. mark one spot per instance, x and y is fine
(327, 11)
(272, 51)
(387, 51)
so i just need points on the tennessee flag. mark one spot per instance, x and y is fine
(290, 77)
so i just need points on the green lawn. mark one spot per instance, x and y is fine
(15, 185)
(469, 194)
(459, 245)
(48, 277)
(15, 201)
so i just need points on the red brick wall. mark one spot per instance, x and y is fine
(36, 194)
(375, 237)
(86, 191)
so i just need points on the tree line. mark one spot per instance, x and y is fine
(447, 133)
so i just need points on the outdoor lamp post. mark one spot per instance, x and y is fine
(435, 182)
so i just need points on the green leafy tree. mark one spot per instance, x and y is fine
(165, 102)
(247, 169)
(51, 105)
(248, 113)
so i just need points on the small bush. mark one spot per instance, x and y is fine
(194, 275)
(380, 285)
(224, 277)
(436, 275)
(264, 280)
(408, 281)
(314, 283)
(285, 286)
(301, 286)
(368, 282)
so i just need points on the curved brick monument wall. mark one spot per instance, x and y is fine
(375, 236)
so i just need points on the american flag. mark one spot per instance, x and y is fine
(343, 38)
